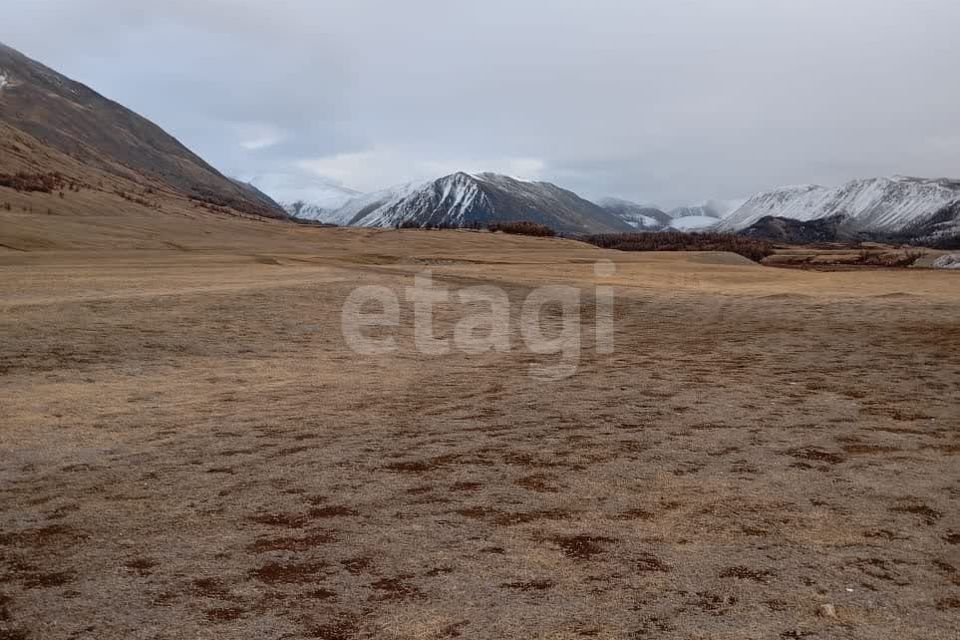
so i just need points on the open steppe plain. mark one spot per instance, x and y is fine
(188, 449)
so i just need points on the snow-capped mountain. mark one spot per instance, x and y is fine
(642, 217)
(314, 200)
(356, 209)
(322, 209)
(884, 206)
(462, 199)
(306, 211)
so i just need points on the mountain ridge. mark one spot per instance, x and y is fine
(70, 118)
(891, 206)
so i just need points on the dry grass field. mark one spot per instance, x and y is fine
(189, 450)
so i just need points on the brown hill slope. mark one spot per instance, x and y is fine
(45, 117)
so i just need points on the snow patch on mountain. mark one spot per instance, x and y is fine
(4, 79)
(693, 223)
(646, 222)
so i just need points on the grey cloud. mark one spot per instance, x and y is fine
(660, 101)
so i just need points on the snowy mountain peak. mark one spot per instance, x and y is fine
(461, 199)
(499, 178)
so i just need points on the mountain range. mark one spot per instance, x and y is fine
(57, 134)
(464, 200)
(898, 208)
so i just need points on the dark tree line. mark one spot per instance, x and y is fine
(523, 228)
(751, 248)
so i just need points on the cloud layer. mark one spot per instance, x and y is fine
(663, 101)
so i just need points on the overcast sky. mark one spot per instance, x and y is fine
(660, 101)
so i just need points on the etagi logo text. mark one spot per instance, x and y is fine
(486, 324)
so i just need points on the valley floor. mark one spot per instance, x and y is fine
(189, 450)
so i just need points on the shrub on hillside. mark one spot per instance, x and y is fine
(215, 202)
(23, 181)
(524, 228)
(751, 248)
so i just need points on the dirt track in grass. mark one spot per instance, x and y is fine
(189, 450)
